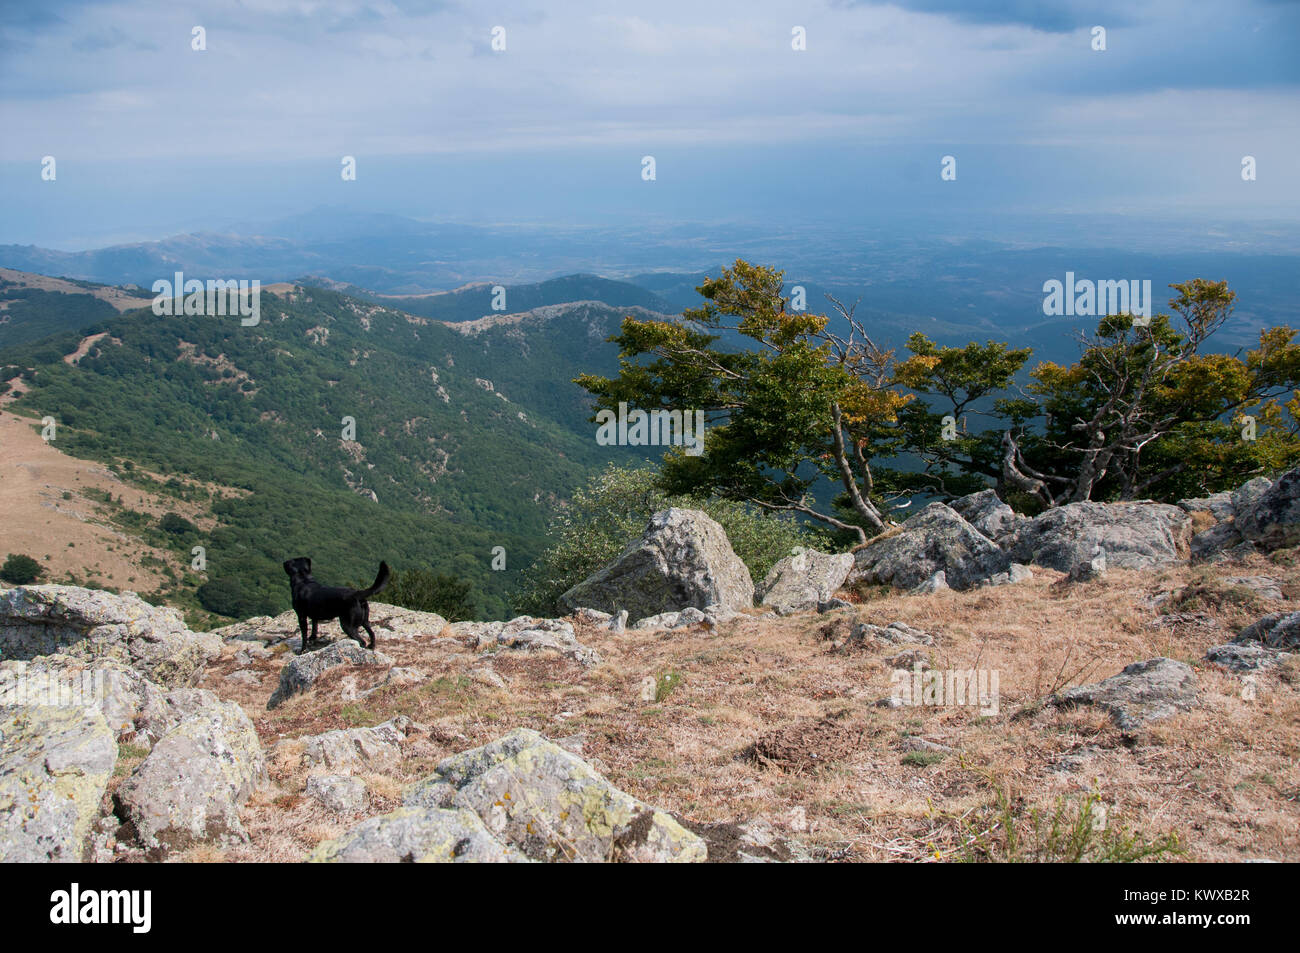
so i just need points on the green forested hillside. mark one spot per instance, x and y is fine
(455, 468)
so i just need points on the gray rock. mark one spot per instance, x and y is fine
(1212, 544)
(1245, 657)
(55, 763)
(674, 620)
(934, 540)
(618, 623)
(338, 792)
(1139, 535)
(1218, 505)
(1278, 630)
(553, 806)
(89, 623)
(1089, 570)
(1266, 587)
(939, 583)
(527, 634)
(301, 672)
(417, 835)
(1273, 520)
(191, 786)
(391, 623)
(804, 581)
(1144, 692)
(896, 633)
(372, 749)
(1248, 494)
(682, 559)
(986, 513)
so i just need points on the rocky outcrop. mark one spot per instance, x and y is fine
(526, 634)
(804, 581)
(682, 559)
(55, 763)
(1218, 505)
(552, 806)
(1144, 692)
(191, 786)
(389, 622)
(340, 793)
(935, 540)
(370, 749)
(299, 674)
(89, 624)
(986, 513)
(1272, 520)
(1131, 535)
(418, 835)
(1277, 630)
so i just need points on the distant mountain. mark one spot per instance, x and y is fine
(466, 436)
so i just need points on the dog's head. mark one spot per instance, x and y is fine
(298, 568)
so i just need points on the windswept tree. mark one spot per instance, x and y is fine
(1146, 411)
(802, 403)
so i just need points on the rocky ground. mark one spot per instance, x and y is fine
(1127, 722)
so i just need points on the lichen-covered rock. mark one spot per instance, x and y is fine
(371, 749)
(1272, 521)
(55, 762)
(1214, 543)
(340, 793)
(553, 806)
(89, 623)
(986, 513)
(1248, 494)
(682, 559)
(1218, 505)
(1142, 693)
(804, 580)
(526, 634)
(301, 672)
(1247, 657)
(389, 622)
(192, 784)
(417, 835)
(935, 540)
(1131, 535)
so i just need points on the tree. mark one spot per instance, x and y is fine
(20, 570)
(808, 402)
(426, 591)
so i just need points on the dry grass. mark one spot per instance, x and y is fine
(1223, 778)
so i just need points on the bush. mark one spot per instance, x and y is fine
(20, 570)
(228, 597)
(425, 591)
(613, 510)
(176, 525)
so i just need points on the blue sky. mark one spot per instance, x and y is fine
(151, 136)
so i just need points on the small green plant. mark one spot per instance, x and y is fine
(922, 759)
(665, 684)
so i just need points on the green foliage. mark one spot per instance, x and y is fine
(665, 684)
(613, 510)
(176, 525)
(426, 591)
(231, 596)
(20, 570)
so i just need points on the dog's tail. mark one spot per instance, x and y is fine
(380, 581)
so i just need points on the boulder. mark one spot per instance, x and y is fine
(804, 580)
(1248, 494)
(935, 540)
(370, 749)
(301, 672)
(89, 623)
(389, 622)
(1277, 630)
(553, 806)
(682, 559)
(1142, 693)
(1218, 505)
(340, 793)
(1213, 543)
(1266, 587)
(417, 835)
(55, 762)
(526, 634)
(1139, 535)
(1272, 521)
(1245, 657)
(986, 513)
(192, 784)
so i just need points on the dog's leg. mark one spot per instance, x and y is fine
(350, 630)
(302, 624)
(314, 634)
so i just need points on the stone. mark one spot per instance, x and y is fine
(90, 624)
(527, 634)
(804, 581)
(1218, 505)
(553, 806)
(935, 540)
(1138, 535)
(301, 672)
(55, 762)
(340, 793)
(986, 513)
(1245, 657)
(1142, 693)
(1266, 587)
(190, 788)
(1213, 543)
(682, 559)
(1245, 497)
(376, 748)
(417, 835)
(1272, 521)
(1278, 630)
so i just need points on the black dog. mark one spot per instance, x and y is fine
(320, 603)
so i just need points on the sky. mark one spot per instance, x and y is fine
(152, 137)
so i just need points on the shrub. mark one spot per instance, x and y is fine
(20, 570)
(425, 591)
(176, 525)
